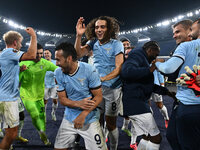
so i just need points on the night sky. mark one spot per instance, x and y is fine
(61, 15)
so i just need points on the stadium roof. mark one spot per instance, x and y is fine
(55, 20)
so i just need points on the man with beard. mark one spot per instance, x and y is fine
(187, 114)
(32, 90)
(138, 86)
(79, 90)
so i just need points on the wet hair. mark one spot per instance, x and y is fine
(112, 28)
(151, 45)
(185, 23)
(68, 50)
(39, 46)
(11, 36)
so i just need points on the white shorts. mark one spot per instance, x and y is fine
(91, 133)
(111, 101)
(50, 93)
(156, 97)
(144, 124)
(9, 114)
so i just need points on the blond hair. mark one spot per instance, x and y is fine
(11, 36)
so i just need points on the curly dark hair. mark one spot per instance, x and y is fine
(112, 28)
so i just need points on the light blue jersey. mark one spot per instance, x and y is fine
(104, 59)
(49, 77)
(9, 74)
(78, 87)
(158, 78)
(190, 53)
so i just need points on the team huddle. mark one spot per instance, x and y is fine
(117, 80)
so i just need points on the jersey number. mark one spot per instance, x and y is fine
(97, 139)
(114, 106)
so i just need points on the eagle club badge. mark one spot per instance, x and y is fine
(81, 81)
(41, 67)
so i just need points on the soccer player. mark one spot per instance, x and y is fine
(108, 59)
(79, 90)
(32, 90)
(50, 86)
(9, 81)
(186, 117)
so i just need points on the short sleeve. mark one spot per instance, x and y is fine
(94, 79)
(58, 76)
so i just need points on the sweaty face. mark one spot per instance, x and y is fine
(180, 34)
(100, 29)
(47, 54)
(39, 54)
(62, 62)
(195, 31)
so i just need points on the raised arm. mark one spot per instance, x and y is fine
(32, 50)
(80, 30)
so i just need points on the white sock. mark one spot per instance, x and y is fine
(133, 135)
(125, 124)
(164, 112)
(142, 145)
(113, 137)
(21, 125)
(54, 107)
(152, 146)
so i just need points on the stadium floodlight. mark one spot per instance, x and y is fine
(174, 19)
(159, 24)
(196, 12)
(180, 16)
(13, 24)
(165, 23)
(5, 20)
(190, 14)
(144, 39)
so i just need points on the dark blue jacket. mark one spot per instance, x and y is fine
(138, 83)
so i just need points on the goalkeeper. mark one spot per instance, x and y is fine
(187, 120)
(32, 90)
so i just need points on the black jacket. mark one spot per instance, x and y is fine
(138, 83)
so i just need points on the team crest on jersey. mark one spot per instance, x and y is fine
(108, 50)
(81, 81)
(41, 67)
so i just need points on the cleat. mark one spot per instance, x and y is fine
(53, 115)
(127, 131)
(106, 140)
(166, 123)
(21, 139)
(44, 139)
(133, 146)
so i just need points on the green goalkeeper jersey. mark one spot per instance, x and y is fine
(32, 79)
